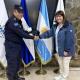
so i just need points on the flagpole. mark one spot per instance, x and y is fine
(24, 71)
(3, 74)
(41, 70)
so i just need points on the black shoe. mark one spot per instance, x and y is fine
(56, 71)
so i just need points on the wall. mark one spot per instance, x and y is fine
(73, 14)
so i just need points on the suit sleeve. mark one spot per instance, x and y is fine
(19, 31)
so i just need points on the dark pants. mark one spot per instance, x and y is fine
(13, 51)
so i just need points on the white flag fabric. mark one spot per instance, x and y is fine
(3, 20)
(60, 6)
(3, 13)
(25, 26)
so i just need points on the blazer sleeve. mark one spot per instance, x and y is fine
(47, 34)
(70, 38)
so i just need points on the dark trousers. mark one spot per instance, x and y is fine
(13, 51)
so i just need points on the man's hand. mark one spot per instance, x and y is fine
(36, 37)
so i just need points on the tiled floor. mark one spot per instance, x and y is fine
(74, 74)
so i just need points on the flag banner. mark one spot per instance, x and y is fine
(3, 20)
(44, 46)
(60, 7)
(28, 53)
(3, 13)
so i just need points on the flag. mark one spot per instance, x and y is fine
(3, 20)
(60, 6)
(44, 46)
(28, 53)
(3, 13)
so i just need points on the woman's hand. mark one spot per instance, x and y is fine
(65, 53)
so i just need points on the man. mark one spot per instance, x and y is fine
(14, 34)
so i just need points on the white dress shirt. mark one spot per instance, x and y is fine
(56, 36)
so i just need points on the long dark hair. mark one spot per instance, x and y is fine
(62, 14)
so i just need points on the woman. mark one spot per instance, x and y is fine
(64, 42)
